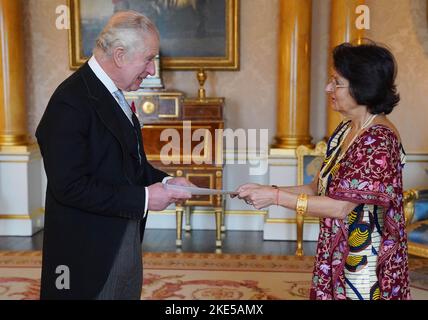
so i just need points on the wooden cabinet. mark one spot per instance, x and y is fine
(184, 138)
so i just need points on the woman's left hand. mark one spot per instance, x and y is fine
(258, 196)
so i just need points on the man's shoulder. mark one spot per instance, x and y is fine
(72, 87)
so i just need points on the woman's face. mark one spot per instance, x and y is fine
(341, 99)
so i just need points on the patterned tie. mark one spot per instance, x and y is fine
(124, 104)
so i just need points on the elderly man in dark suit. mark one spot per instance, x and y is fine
(100, 184)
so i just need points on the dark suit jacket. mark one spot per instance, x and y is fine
(93, 186)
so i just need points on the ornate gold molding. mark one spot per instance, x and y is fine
(13, 117)
(294, 62)
(19, 149)
(33, 215)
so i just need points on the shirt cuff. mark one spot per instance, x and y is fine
(146, 203)
(164, 180)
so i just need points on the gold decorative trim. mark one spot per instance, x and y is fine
(417, 249)
(74, 45)
(301, 151)
(283, 164)
(228, 62)
(33, 215)
(176, 104)
(148, 107)
(204, 101)
(291, 142)
(13, 140)
(15, 161)
(19, 150)
(409, 198)
(282, 152)
(201, 202)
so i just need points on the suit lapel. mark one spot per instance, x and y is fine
(104, 104)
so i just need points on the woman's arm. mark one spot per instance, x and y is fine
(318, 206)
(310, 189)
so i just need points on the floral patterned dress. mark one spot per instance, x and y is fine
(365, 255)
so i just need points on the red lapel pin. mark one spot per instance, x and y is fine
(134, 110)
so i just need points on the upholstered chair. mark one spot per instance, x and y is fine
(416, 212)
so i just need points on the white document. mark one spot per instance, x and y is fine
(199, 191)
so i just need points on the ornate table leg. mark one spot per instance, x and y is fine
(219, 198)
(179, 221)
(299, 226)
(219, 217)
(218, 214)
(223, 227)
(188, 212)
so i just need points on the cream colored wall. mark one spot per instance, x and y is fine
(402, 25)
(251, 92)
(46, 56)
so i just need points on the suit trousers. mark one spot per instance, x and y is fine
(125, 279)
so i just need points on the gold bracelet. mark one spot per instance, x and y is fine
(302, 204)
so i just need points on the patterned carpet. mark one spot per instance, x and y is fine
(185, 276)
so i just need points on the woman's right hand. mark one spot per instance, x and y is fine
(245, 186)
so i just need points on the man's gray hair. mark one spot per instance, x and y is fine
(125, 29)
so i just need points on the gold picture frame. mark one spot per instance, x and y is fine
(309, 161)
(188, 51)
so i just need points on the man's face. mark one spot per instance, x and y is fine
(140, 64)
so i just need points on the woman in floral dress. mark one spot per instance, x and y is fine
(362, 245)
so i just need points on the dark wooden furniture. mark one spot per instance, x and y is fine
(170, 124)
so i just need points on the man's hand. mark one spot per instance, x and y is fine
(161, 197)
(180, 181)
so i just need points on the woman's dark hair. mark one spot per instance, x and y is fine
(371, 70)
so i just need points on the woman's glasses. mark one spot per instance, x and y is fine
(335, 85)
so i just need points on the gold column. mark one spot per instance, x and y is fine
(13, 116)
(293, 74)
(342, 29)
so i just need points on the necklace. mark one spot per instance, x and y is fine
(366, 123)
